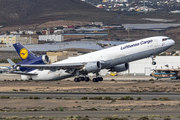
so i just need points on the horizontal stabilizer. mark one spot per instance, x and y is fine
(51, 66)
(22, 73)
(11, 62)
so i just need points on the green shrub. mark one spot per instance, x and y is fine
(167, 118)
(61, 109)
(114, 118)
(107, 98)
(15, 90)
(95, 98)
(113, 80)
(58, 98)
(4, 97)
(139, 98)
(30, 97)
(23, 90)
(127, 98)
(113, 100)
(151, 79)
(66, 98)
(48, 98)
(154, 99)
(144, 118)
(84, 98)
(164, 99)
(36, 97)
(92, 109)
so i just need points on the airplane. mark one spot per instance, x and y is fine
(4, 69)
(115, 59)
(166, 73)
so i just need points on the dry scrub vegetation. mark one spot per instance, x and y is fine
(105, 86)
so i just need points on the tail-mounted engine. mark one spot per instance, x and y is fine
(44, 59)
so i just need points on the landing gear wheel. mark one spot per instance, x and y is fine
(86, 79)
(76, 80)
(153, 63)
(95, 80)
(81, 78)
(100, 79)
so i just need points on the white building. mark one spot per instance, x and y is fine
(145, 67)
(29, 32)
(57, 38)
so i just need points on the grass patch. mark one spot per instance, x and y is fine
(127, 98)
(95, 98)
(84, 98)
(92, 109)
(61, 109)
(36, 98)
(115, 118)
(14, 90)
(154, 99)
(164, 99)
(107, 98)
(4, 97)
(139, 98)
(48, 98)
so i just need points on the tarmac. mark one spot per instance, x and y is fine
(106, 78)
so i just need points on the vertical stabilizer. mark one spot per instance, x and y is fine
(23, 52)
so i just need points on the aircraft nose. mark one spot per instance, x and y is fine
(172, 42)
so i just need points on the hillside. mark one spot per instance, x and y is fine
(38, 11)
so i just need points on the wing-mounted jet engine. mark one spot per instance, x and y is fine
(120, 68)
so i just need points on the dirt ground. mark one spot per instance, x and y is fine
(113, 85)
(49, 24)
(28, 102)
(84, 105)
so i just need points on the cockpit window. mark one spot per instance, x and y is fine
(164, 39)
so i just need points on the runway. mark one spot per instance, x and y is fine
(89, 113)
(172, 96)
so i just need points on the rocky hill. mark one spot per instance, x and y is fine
(33, 11)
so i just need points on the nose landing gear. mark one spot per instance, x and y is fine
(153, 62)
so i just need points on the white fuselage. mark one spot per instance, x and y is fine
(111, 56)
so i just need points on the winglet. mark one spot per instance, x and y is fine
(11, 62)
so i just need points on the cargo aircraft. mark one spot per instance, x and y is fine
(114, 59)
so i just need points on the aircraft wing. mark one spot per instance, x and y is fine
(53, 66)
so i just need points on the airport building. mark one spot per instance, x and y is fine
(58, 56)
(57, 38)
(9, 40)
(145, 67)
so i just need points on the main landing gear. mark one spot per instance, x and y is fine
(86, 79)
(97, 79)
(78, 79)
